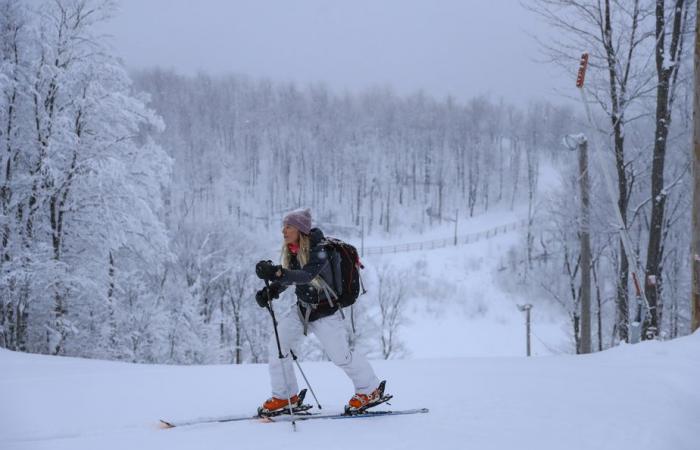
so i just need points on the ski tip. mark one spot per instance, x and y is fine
(164, 425)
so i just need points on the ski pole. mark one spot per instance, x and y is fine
(280, 355)
(294, 357)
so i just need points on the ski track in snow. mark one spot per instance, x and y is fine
(637, 397)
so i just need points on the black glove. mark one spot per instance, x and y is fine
(261, 297)
(265, 270)
(268, 293)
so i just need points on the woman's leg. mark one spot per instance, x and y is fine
(332, 334)
(290, 331)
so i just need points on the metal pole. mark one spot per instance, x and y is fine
(456, 222)
(280, 355)
(527, 307)
(306, 380)
(528, 331)
(695, 252)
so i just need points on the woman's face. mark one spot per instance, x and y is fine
(291, 234)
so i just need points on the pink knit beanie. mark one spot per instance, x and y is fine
(299, 219)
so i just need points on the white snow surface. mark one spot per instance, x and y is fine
(642, 396)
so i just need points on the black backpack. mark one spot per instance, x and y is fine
(345, 265)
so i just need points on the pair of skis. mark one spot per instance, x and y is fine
(301, 412)
(287, 417)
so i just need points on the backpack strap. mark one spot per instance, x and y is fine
(352, 319)
(305, 317)
(330, 295)
(362, 284)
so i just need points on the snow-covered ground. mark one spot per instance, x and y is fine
(632, 397)
(463, 300)
(459, 306)
(466, 340)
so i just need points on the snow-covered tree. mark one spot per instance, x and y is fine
(82, 181)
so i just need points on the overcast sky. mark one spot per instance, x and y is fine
(459, 47)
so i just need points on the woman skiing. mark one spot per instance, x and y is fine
(305, 263)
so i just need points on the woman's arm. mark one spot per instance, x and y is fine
(318, 259)
(276, 288)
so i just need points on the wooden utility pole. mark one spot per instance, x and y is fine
(585, 247)
(580, 144)
(695, 251)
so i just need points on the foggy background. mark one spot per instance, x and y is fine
(462, 48)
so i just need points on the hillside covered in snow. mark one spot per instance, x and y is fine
(638, 397)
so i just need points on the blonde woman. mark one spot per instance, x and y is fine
(306, 264)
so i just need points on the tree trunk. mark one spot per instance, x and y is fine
(515, 169)
(695, 252)
(110, 300)
(599, 308)
(500, 169)
(238, 336)
(664, 102)
(617, 99)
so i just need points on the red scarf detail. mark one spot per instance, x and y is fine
(293, 248)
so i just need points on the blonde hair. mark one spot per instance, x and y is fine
(303, 255)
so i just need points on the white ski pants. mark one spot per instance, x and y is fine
(331, 332)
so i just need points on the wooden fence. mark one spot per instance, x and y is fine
(446, 242)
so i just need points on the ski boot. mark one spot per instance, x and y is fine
(362, 402)
(277, 406)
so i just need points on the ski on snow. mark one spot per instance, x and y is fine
(301, 412)
(286, 417)
(340, 415)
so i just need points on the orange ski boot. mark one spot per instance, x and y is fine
(360, 402)
(274, 406)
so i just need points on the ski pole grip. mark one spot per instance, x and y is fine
(582, 66)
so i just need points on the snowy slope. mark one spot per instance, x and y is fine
(459, 308)
(463, 299)
(631, 397)
(459, 305)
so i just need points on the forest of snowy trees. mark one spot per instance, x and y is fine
(642, 88)
(133, 205)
